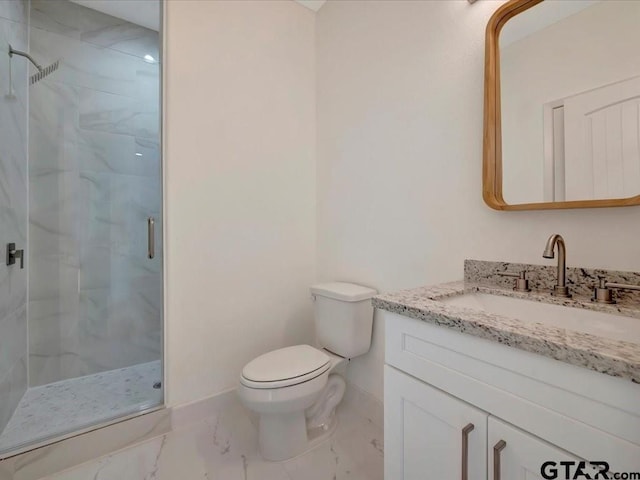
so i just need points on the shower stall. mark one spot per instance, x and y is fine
(80, 216)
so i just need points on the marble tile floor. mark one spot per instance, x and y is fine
(223, 446)
(70, 405)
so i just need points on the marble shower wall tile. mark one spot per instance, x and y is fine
(13, 385)
(53, 110)
(118, 114)
(52, 339)
(13, 340)
(65, 18)
(90, 26)
(126, 38)
(13, 281)
(85, 65)
(15, 10)
(13, 206)
(104, 152)
(95, 178)
(53, 214)
(106, 112)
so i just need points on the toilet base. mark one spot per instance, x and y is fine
(281, 439)
(284, 435)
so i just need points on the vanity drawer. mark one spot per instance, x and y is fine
(597, 415)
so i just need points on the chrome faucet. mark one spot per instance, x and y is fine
(560, 289)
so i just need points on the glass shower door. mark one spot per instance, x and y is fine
(92, 179)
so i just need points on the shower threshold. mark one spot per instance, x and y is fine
(69, 405)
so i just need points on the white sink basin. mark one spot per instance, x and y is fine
(616, 327)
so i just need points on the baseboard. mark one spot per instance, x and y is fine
(365, 404)
(187, 414)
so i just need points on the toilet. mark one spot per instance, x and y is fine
(295, 390)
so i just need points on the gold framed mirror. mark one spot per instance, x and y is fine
(562, 117)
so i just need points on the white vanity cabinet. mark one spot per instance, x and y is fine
(430, 430)
(438, 381)
(519, 456)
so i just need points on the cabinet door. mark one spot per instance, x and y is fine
(523, 456)
(423, 429)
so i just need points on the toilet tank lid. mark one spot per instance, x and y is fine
(347, 292)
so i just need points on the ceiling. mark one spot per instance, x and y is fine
(539, 17)
(312, 4)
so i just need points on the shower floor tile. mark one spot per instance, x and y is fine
(66, 406)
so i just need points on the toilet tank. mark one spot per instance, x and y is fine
(343, 317)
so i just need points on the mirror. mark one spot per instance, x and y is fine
(562, 104)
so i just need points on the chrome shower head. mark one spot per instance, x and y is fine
(42, 72)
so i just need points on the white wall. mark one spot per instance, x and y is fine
(399, 150)
(540, 17)
(400, 92)
(566, 58)
(240, 187)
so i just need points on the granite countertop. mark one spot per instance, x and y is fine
(604, 355)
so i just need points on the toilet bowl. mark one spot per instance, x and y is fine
(295, 390)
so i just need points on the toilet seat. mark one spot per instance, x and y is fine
(285, 367)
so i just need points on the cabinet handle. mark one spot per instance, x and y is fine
(497, 448)
(151, 237)
(465, 450)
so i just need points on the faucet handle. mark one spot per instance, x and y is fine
(602, 293)
(521, 284)
(521, 274)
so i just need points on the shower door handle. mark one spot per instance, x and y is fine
(13, 254)
(151, 237)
